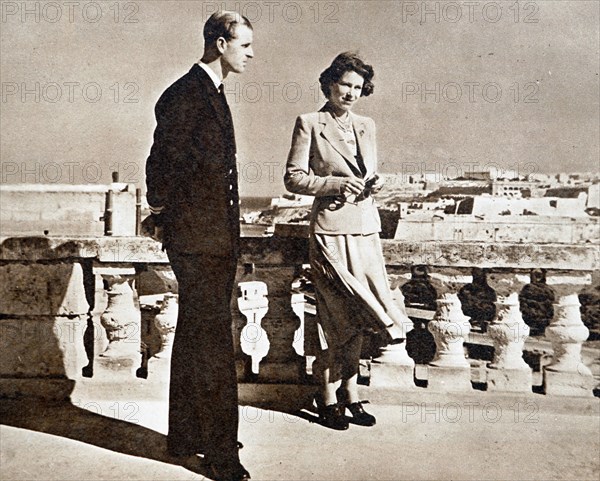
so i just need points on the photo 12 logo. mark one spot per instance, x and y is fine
(69, 12)
(70, 92)
(253, 415)
(271, 11)
(424, 12)
(469, 411)
(125, 411)
(68, 172)
(470, 92)
(272, 91)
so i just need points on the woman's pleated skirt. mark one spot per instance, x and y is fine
(352, 289)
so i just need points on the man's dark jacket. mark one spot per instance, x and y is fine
(191, 169)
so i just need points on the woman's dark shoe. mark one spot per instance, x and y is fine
(360, 416)
(332, 416)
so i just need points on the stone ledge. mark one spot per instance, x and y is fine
(290, 251)
(493, 255)
(298, 396)
(104, 249)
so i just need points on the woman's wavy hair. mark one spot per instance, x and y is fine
(347, 62)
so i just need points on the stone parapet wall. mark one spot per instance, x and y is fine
(52, 302)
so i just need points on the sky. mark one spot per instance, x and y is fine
(459, 85)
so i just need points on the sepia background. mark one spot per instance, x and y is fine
(498, 270)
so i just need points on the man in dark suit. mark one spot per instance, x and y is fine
(192, 190)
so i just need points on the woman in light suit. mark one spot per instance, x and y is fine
(333, 157)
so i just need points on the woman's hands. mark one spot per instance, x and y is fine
(352, 186)
(355, 186)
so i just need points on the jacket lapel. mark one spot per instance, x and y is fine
(207, 86)
(332, 134)
(360, 129)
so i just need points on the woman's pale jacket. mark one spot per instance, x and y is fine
(318, 161)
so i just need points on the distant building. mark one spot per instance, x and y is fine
(566, 192)
(544, 206)
(497, 229)
(460, 189)
(483, 175)
(513, 189)
(593, 200)
(287, 201)
(69, 210)
(541, 178)
(501, 219)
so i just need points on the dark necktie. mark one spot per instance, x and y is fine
(222, 95)
(225, 104)
(229, 119)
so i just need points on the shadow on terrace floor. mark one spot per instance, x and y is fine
(68, 421)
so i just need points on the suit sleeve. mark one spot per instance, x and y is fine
(299, 177)
(170, 138)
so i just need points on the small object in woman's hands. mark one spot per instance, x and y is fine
(370, 187)
(371, 181)
(374, 184)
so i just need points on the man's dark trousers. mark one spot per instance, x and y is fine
(203, 398)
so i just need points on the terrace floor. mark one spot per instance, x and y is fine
(119, 434)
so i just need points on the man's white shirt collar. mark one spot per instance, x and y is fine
(213, 76)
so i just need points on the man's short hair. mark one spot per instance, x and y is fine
(223, 24)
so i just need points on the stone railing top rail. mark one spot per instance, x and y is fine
(285, 250)
(45, 188)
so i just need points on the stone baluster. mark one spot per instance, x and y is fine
(508, 371)
(120, 318)
(298, 305)
(254, 304)
(303, 305)
(566, 374)
(122, 321)
(282, 363)
(166, 323)
(449, 370)
(394, 367)
(537, 300)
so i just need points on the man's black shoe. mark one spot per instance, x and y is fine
(227, 472)
(180, 452)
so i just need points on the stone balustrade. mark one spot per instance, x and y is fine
(84, 310)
